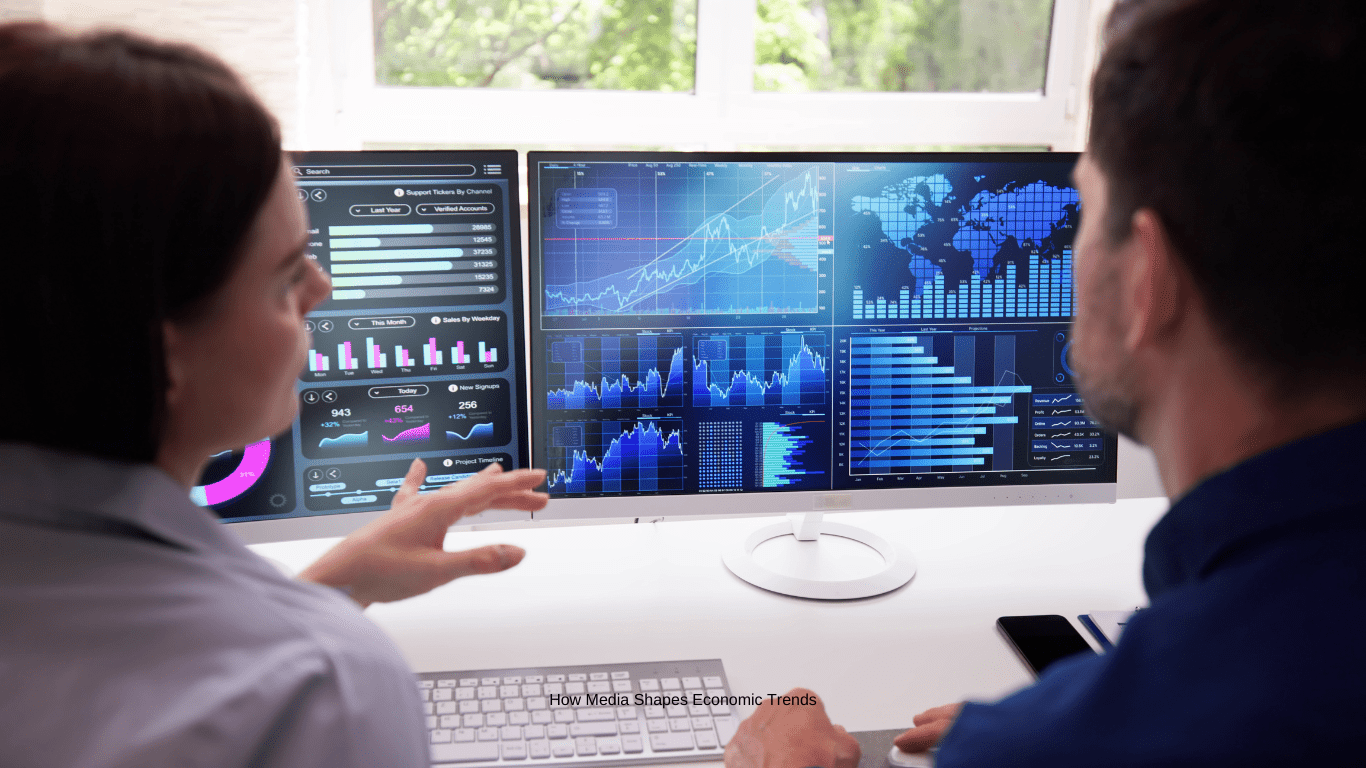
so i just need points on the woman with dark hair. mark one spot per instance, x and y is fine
(157, 289)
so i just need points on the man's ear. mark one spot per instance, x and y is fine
(173, 356)
(1155, 283)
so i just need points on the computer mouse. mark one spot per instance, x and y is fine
(898, 759)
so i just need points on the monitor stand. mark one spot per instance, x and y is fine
(813, 560)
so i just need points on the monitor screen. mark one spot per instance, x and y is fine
(418, 350)
(789, 331)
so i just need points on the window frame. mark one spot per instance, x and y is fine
(342, 106)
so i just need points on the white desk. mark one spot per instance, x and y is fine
(616, 593)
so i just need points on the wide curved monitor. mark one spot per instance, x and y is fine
(417, 352)
(782, 332)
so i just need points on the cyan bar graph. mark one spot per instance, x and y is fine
(909, 413)
(1048, 293)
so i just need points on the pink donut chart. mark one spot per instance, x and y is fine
(259, 476)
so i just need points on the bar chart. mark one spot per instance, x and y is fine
(911, 414)
(1047, 293)
(381, 346)
(414, 261)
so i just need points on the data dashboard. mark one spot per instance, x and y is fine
(416, 351)
(735, 323)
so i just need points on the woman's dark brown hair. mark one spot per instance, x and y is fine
(130, 172)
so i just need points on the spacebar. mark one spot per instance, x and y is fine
(466, 752)
(669, 742)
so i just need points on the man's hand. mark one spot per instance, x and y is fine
(930, 726)
(400, 554)
(791, 736)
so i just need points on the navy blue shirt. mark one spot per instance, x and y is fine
(1253, 649)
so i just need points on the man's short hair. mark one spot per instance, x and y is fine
(1231, 119)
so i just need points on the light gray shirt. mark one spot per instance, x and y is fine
(135, 630)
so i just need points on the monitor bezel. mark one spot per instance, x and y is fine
(305, 524)
(758, 503)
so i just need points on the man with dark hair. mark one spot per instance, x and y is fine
(1218, 321)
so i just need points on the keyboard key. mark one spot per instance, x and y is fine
(705, 740)
(464, 734)
(712, 682)
(508, 691)
(495, 719)
(592, 729)
(450, 721)
(554, 678)
(445, 683)
(692, 682)
(680, 724)
(512, 680)
(538, 749)
(490, 681)
(654, 712)
(670, 742)
(519, 718)
(701, 723)
(536, 702)
(514, 750)
(697, 710)
(596, 714)
(445, 708)
(490, 705)
(468, 682)
(510, 733)
(468, 706)
(426, 683)
(562, 748)
(632, 744)
(428, 708)
(626, 713)
(464, 753)
(676, 710)
(514, 705)
(542, 716)
(531, 689)
(486, 734)
(586, 745)
(431, 722)
(441, 736)
(578, 677)
(720, 709)
(534, 731)
(725, 727)
(657, 726)
(553, 688)
(609, 746)
(557, 730)
(649, 684)
(629, 726)
(600, 686)
(538, 679)
(573, 689)
(442, 694)
(564, 715)
(715, 691)
(621, 675)
(598, 676)
(464, 694)
(670, 684)
(425, 694)
(475, 720)
(621, 686)
(487, 691)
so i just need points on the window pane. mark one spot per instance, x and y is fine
(901, 45)
(633, 45)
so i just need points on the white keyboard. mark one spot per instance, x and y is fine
(586, 715)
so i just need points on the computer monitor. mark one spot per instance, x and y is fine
(417, 352)
(747, 333)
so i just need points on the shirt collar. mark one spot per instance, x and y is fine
(1283, 487)
(70, 490)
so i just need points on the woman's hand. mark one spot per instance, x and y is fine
(400, 555)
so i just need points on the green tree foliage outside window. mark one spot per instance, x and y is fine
(901, 45)
(638, 45)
